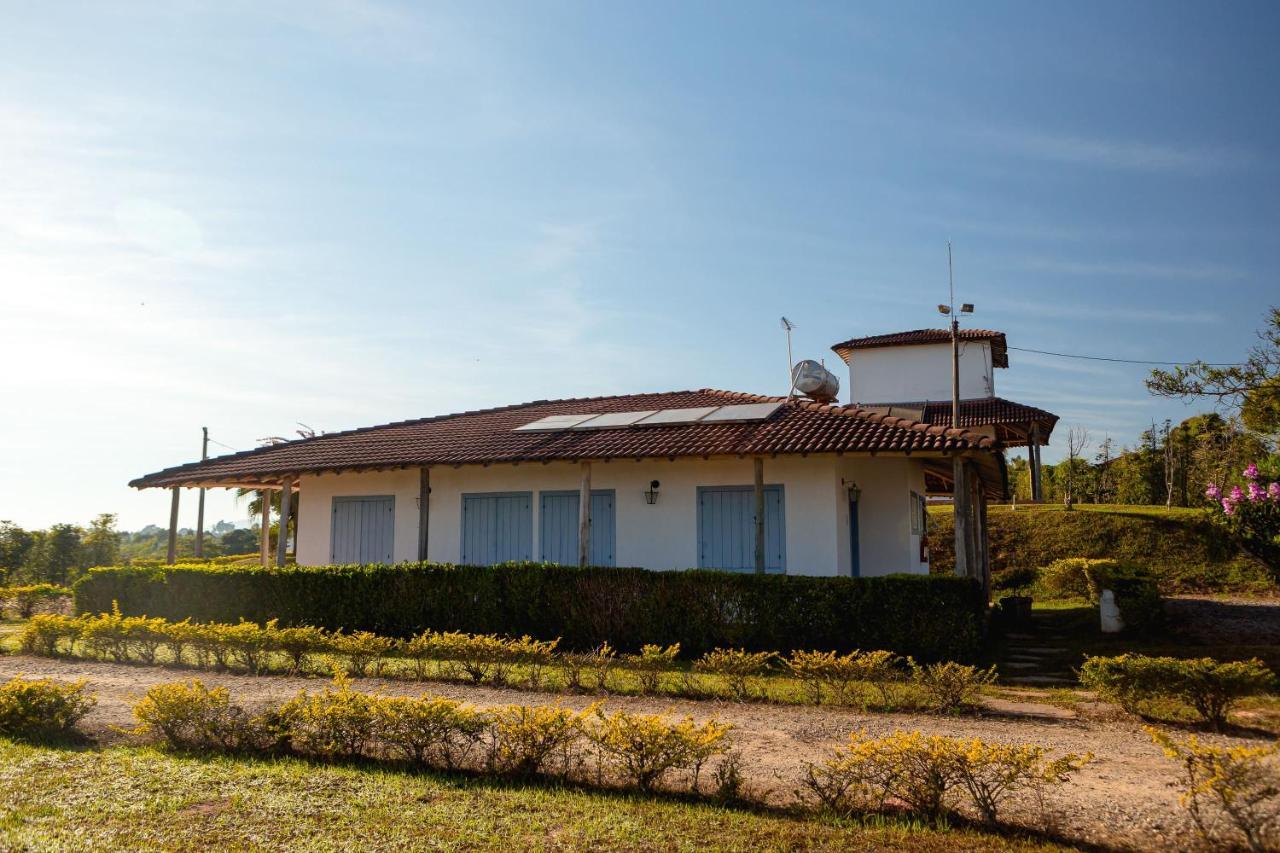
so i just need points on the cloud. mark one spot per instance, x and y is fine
(1109, 153)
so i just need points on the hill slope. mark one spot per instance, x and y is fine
(1182, 546)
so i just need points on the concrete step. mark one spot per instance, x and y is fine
(1041, 680)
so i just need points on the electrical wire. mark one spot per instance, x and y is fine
(1127, 360)
(220, 444)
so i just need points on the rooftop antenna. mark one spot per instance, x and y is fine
(787, 326)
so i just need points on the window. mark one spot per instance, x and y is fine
(727, 531)
(919, 515)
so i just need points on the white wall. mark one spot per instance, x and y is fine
(914, 373)
(659, 536)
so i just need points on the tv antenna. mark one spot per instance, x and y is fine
(787, 326)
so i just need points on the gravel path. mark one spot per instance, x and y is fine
(1126, 797)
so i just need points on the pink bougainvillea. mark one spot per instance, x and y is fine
(1252, 514)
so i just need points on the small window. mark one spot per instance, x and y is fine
(918, 516)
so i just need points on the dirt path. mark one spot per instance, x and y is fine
(1125, 797)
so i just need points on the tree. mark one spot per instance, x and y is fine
(1252, 387)
(57, 558)
(241, 540)
(101, 542)
(1077, 441)
(1103, 485)
(15, 546)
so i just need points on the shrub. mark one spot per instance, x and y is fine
(992, 771)
(646, 747)
(1211, 687)
(190, 716)
(105, 636)
(652, 661)
(477, 656)
(1077, 577)
(44, 635)
(299, 644)
(533, 655)
(42, 710)
(599, 661)
(930, 618)
(951, 685)
(250, 645)
(24, 600)
(1231, 793)
(429, 731)
(925, 772)
(737, 667)
(841, 673)
(528, 740)
(337, 723)
(363, 650)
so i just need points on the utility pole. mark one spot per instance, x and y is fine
(961, 493)
(204, 454)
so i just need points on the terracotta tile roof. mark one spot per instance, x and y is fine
(979, 412)
(916, 337)
(487, 436)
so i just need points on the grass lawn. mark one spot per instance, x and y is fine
(136, 798)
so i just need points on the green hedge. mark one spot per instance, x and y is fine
(931, 618)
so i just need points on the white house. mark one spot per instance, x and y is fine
(676, 480)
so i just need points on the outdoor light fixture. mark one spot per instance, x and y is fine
(944, 309)
(855, 491)
(966, 308)
(651, 494)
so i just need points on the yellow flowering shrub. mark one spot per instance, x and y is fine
(50, 635)
(537, 739)
(191, 716)
(42, 709)
(363, 650)
(737, 667)
(336, 723)
(645, 747)
(950, 686)
(1231, 792)
(599, 662)
(650, 664)
(431, 731)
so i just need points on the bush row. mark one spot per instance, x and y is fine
(341, 723)
(1136, 590)
(929, 618)
(928, 774)
(1209, 686)
(479, 658)
(23, 601)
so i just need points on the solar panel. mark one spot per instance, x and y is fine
(668, 417)
(613, 420)
(741, 413)
(553, 423)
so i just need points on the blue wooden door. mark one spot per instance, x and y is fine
(363, 529)
(497, 528)
(727, 532)
(558, 527)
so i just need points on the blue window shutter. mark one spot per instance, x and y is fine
(363, 529)
(497, 528)
(558, 527)
(726, 528)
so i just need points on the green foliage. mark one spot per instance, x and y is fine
(1182, 549)
(336, 723)
(646, 747)
(930, 618)
(537, 739)
(1209, 686)
(430, 731)
(737, 666)
(42, 710)
(950, 686)
(1231, 793)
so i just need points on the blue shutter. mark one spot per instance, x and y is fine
(558, 527)
(363, 529)
(497, 528)
(726, 528)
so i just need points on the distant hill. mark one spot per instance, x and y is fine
(1182, 546)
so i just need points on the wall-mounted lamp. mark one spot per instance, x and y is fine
(651, 494)
(855, 491)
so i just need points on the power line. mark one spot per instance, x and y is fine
(227, 446)
(1127, 360)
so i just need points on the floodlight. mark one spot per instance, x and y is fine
(944, 309)
(966, 308)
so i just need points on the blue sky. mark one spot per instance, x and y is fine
(245, 215)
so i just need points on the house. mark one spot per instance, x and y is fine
(674, 480)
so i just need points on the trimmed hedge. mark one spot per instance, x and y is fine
(929, 618)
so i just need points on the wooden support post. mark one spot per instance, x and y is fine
(424, 510)
(584, 517)
(960, 513)
(282, 535)
(265, 497)
(759, 490)
(204, 454)
(984, 543)
(1033, 461)
(173, 528)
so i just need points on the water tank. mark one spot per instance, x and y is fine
(815, 381)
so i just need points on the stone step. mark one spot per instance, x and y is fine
(1041, 680)
(1018, 664)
